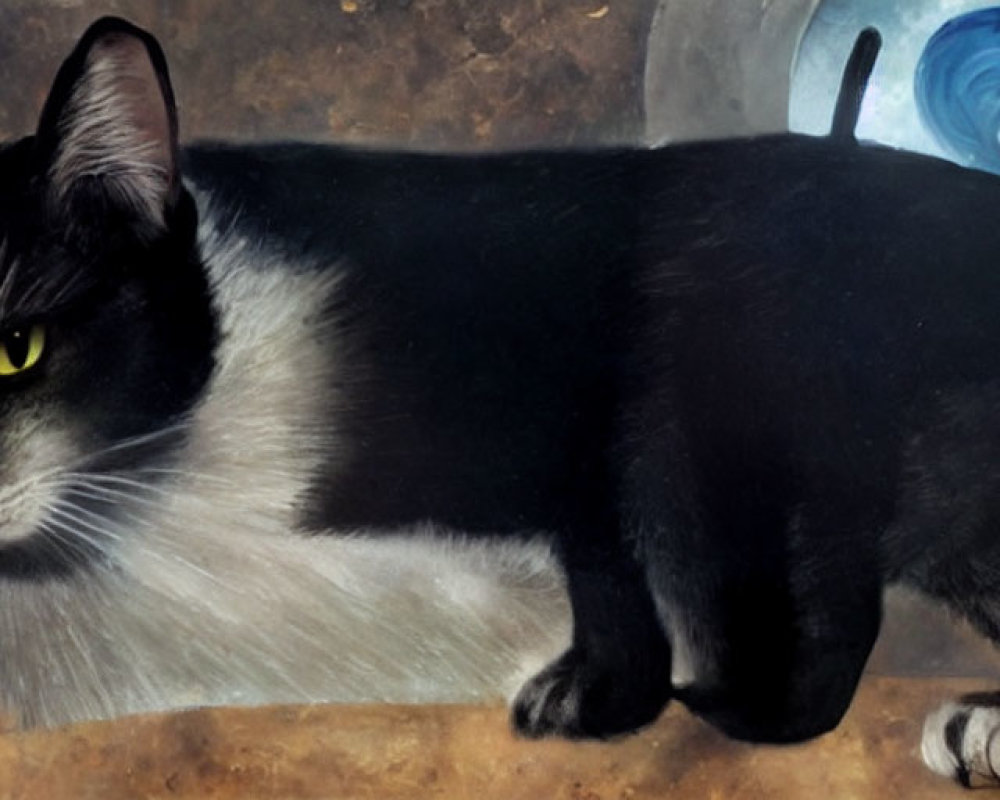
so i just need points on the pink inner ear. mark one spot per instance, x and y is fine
(140, 92)
(117, 127)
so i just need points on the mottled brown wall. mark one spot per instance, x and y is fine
(461, 752)
(426, 73)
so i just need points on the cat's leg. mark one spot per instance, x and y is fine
(788, 645)
(944, 543)
(615, 677)
(961, 739)
(772, 582)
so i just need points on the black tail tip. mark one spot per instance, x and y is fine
(854, 83)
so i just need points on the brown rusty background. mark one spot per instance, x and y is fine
(465, 753)
(423, 73)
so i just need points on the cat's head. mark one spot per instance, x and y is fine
(106, 326)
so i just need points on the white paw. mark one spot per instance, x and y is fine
(961, 742)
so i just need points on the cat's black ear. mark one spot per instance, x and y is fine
(107, 139)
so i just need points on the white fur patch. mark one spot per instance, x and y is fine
(683, 663)
(35, 455)
(210, 597)
(978, 752)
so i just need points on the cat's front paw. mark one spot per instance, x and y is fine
(962, 741)
(579, 696)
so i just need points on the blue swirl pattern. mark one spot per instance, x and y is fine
(957, 88)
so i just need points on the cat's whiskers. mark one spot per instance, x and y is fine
(106, 494)
(70, 537)
(131, 443)
(17, 490)
(26, 503)
(71, 506)
(218, 480)
(76, 517)
(104, 479)
(66, 544)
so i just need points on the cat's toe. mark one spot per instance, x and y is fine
(579, 698)
(549, 703)
(960, 741)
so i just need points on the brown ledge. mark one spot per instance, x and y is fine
(388, 752)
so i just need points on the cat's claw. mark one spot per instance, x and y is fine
(579, 697)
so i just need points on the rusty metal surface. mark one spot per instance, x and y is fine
(398, 752)
(423, 73)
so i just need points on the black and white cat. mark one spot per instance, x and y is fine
(292, 422)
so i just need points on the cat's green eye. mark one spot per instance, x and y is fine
(20, 349)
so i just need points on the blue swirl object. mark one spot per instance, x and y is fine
(957, 87)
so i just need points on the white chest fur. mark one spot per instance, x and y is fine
(210, 597)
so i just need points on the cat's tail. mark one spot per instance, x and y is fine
(854, 83)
